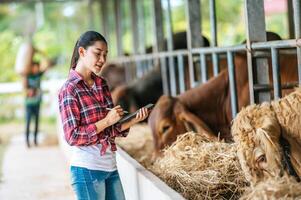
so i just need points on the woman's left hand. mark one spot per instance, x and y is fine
(141, 115)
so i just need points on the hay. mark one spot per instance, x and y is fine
(138, 144)
(274, 189)
(287, 110)
(200, 169)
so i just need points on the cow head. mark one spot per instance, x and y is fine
(122, 95)
(169, 118)
(257, 132)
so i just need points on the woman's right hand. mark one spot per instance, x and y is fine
(114, 115)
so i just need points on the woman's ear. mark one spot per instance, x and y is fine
(81, 51)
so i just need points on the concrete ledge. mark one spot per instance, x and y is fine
(141, 184)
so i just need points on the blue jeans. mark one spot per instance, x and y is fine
(32, 111)
(96, 185)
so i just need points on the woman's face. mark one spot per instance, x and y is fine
(95, 56)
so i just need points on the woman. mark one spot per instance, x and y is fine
(84, 101)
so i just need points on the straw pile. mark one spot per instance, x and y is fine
(201, 169)
(274, 189)
(138, 144)
(288, 114)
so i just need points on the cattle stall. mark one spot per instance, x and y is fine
(177, 78)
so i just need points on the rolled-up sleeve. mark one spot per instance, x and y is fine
(75, 133)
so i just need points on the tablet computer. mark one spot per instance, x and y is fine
(130, 116)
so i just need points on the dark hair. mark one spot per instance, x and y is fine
(85, 40)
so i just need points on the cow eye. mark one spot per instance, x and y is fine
(261, 159)
(165, 128)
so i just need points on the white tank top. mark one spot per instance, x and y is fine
(89, 157)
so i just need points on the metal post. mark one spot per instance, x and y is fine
(141, 33)
(296, 7)
(181, 73)
(171, 65)
(104, 19)
(276, 74)
(203, 68)
(213, 31)
(164, 76)
(134, 22)
(90, 14)
(290, 17)
(257, 68)
(194, 31)
(213, 23)
(118, 26)
(232, 83)
(158, 26)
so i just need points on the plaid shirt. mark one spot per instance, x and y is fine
(81, 107)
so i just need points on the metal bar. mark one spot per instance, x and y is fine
(134, 22)
(232, 81)
(257, 68)
(164, 76)
(213, 31)
(276, 74)
(215, 61)
(266, 87)
(172, 76)
(90, 14)
(141, 33)
(203, 68)
(171, 65)
(158, 26)
(181, 73)
(296, 7)
(218, 50)
(104, 19)
(169, 28)
(290, 19)
(194, 31)
(118, 26)
(276, 44)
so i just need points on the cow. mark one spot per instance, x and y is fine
(114, 75)
(209, 103)
(148, 88)
(140, 92)
(268, 137)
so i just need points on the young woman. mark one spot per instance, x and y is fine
(88, 126)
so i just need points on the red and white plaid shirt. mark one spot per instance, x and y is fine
(81, 107)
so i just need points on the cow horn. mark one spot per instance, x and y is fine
(200, 126)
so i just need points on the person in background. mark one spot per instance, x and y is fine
(33, 98)
(90, 122)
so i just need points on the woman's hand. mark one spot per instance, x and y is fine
(114, 115)
(141, 115)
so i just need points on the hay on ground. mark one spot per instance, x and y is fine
(138, 144)
(201, 169)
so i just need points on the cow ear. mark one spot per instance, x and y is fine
(199, 125)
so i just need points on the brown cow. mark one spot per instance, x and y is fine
(263, 132)
(209, 103)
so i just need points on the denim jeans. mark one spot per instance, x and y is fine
(96, 185)
(32, 111)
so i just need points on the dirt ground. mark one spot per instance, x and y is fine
(36, 173)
